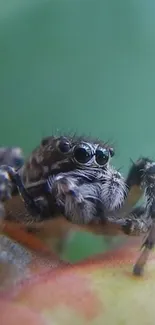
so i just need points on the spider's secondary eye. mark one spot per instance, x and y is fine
(82, 153)
(64, 145)
(102, 156)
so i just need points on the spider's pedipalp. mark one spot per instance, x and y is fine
(114, 189)
(75, 196)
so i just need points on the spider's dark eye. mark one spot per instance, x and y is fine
(64, 145)
(82, 153)
(102, 156)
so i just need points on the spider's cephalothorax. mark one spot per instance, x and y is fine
(58, 154)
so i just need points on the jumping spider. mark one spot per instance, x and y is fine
(73, 176)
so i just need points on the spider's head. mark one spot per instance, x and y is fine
(65, 153)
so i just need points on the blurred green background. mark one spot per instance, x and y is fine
(79, 65)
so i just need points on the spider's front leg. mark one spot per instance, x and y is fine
(11, 184)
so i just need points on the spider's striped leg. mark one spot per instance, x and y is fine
(14, 157)
(135, 220)
(14, 186)
(143, 175)
(5, 191)
(148, 184)
(134, 183)
(149, 241)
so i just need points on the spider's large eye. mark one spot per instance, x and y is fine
(82, 153)
(64, 145)
(102, 156)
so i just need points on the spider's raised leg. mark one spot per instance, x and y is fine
(148, 184)
(142, 220)
(136, 191)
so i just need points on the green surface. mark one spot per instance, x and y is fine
(78, 65)
(83, 245)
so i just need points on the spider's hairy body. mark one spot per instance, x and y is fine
(83, 193)
(73, 177)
